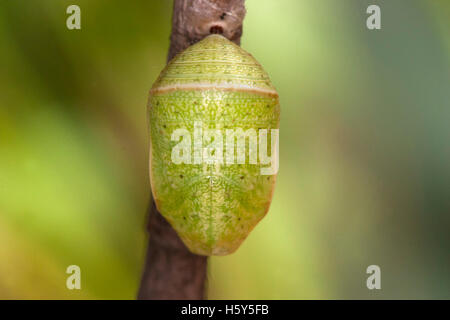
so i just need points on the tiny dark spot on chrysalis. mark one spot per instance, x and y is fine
(184, 218)
(242, 177)
(239, 219)
(164, 126)
(268, 178)
(181, 176)
(216, 30)
(222, 16)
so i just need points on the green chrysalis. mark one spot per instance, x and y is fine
(214, 119)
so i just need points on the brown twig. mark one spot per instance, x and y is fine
(171, 271)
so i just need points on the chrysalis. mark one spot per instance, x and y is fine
(214, 120)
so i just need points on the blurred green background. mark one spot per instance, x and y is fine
(364, 149)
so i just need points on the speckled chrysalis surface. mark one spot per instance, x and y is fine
(214, 119)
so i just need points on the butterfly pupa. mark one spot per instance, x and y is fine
(214, 120)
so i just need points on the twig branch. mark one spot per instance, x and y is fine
(171, 271)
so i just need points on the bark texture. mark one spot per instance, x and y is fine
(171, 271)
(195, 19)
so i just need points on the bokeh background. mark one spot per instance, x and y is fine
(364, 149)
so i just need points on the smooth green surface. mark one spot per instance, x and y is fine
(364, 158)
(212, 206)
